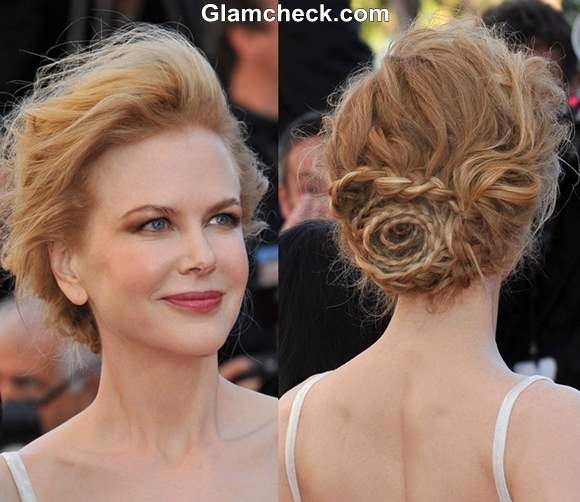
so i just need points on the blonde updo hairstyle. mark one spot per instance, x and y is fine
(140, 81)
(444, 160)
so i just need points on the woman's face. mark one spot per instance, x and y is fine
(164, 261)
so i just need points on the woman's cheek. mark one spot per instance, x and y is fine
(140, 267)
(235, 261)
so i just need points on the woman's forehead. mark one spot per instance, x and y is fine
(173, 165)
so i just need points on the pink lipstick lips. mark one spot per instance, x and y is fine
(200, 302)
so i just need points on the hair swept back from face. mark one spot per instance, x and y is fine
(139, 81)
(444, 160)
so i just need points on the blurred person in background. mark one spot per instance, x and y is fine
(247, 59)
(41, 383)
(247, 63)
(541, 28)
(315, 59)
(324, 320)
(538, 329)
(303, 187)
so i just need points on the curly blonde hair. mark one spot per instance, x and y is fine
(140, 81)
(444, 160)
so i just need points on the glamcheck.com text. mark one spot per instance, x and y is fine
(220, 13)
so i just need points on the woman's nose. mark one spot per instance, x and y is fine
(198, 255)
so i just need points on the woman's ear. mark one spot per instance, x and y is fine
(63, 267)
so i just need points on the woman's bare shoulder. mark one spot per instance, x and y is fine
(544, 433)
(286, 402)
(253, 417)
(55, 456)
(56, 443)
(42, 459)
(251, 405)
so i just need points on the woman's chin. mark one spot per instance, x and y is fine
(196, 345)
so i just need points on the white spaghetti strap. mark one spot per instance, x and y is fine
(292, 432)
(500, 436)
(20, 476)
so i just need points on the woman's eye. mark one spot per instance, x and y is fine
(156, 225)
(225, 220)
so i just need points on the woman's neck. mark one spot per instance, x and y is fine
(150, 402)
(462, 334)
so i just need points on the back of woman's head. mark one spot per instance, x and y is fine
(443, 161)
(134, 84)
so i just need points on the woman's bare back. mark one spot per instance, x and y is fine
(404, 432)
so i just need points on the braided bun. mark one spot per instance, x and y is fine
(443, 161)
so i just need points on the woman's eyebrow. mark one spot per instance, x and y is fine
(233, 201)
(168, 211)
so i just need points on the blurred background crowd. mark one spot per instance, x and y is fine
(279, 80)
